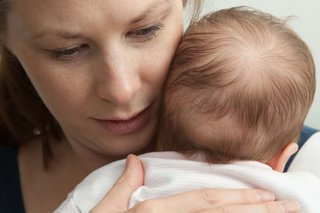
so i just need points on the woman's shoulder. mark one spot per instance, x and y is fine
(10, 193)
(308, 157)
(305, 134)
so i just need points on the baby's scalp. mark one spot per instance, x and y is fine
(239, 69)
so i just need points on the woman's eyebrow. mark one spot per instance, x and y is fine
(158, 7)
(61, 33)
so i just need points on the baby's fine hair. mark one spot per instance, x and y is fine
(248, 76)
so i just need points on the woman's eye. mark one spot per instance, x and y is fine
(144, 34)
(69, 53)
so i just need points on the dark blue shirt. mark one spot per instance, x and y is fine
(10, 191)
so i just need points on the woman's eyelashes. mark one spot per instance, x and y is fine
(144, 34)
(70, 53)
(140, 35)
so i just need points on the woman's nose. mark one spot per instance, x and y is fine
(120, 79)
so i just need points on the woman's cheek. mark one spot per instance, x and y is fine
(62, 90)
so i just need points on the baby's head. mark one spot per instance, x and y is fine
(239, 88)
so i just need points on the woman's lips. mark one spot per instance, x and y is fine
(126, 127)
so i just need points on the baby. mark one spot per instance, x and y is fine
(239, 70)
(235, 69)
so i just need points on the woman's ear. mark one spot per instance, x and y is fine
(279, 162)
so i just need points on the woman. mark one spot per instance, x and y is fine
(96, 72)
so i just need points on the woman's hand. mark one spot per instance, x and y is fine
(204, 200)
(218, 201)
(117, 199)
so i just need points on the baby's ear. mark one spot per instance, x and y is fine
(279, 162)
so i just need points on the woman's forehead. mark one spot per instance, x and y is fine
(64, 7)
(38, 16)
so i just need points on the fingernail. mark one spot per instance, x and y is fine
(266, 196)
(290, 207)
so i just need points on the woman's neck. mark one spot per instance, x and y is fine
(62, 174)
(91, 159)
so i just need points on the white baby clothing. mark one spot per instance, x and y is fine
(167, 173)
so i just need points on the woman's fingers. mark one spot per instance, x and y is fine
(213, 200)
(118, 197)
(271, 207)
(209, 198)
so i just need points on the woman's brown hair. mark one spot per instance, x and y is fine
(23, 116)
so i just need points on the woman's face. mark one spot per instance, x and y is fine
(98, 65)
